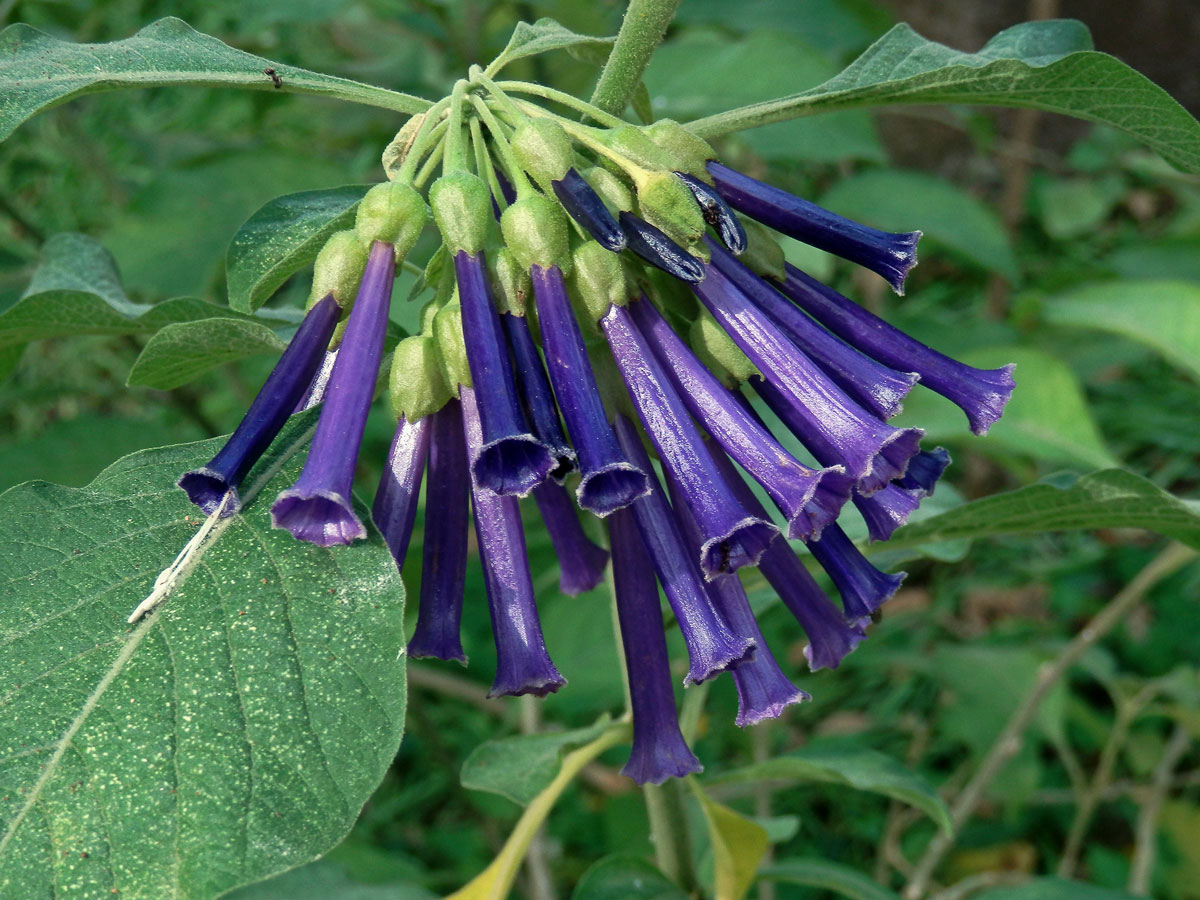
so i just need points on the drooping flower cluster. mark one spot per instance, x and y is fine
(552, 362)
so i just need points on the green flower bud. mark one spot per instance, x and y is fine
(395, 152)
(428, 311)
(599, 280)
(417, 384)
(612, 190)
(391, 212)
(535, 232)
(718, 351)
(763, 253)
(689, 152)
(635, 145)
(462, 208)
(338, 269)
(447, 331)
(667, 203)
(543, 150)
(511, 285)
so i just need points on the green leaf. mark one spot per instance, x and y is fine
(1052, 889)
(948, 215)
(856, 767)
(1112, 498)
(625, 878)
(327, 881)
(738, 846)
(1041, 65)
(820, 873)
(38, 71)
(183, 351)
(523, 766)
(76, 290)
(542, 36)
(281, 238)
(232, 734)
(1164, 315)
(1047, 418)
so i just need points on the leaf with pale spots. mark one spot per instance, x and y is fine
(231, 735)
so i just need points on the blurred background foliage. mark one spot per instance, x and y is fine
(1065, 247)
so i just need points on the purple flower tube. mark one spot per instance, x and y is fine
(831, 425)
(762, 688)
(444, 550)
(223, 474)
(585, 207)
(396, 501)
(317, 507)
(659, 750)
(981, 393)
(870, 384)
(733, 537)
(653, 245)
(522, 664)
(509, 460)
(863, 587)
(539, 398)
(316, 388)
(717, 213)
(609, 481)
(886, 510)
(924, 470)
(581, 563)
(713, 645)
(810, 498)
(886, 253)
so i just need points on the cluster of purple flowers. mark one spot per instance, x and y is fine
(497, 401)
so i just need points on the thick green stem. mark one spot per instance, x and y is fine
(669, 831)
(641, 32)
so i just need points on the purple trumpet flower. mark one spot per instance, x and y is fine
(810, 498)
(652, 245)
(863, 587)
(223, 474)
(887, 509)
(659, 749)
(539, 398)
(717, 213)
(833, 427)
(316, 388)
(924, 470)
(762, 688)
(712, 644)
(444, 550)
(886, 253)
(871, 385)
(830, 636)
(510, 460)
(586, 208)
(396, 501)
(581, 563)
(522, 664)
(609, 481)
(317, 507)
(733, 537)
(981, 393)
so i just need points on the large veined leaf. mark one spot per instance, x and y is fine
(38, 71)
(282, 237)
(232, 734)
(180, 352)
(1043, 65)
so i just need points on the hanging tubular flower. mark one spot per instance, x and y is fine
(659, 749)
(284, 388)
(317, 507)
(444, 551)
(733, 536)
(581, 562)
(888, 254)
(864, 588)
(653, 245)
(396, 500)
(584, 205)
(981, 393)
(537, 394)
(717, 213)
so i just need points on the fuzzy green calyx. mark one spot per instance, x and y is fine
(599, 280)
(511, 285)
(543, 150)
(763, 254)
(392, 212)
(448, 332)
(417, 383)
(535, 231)
(636, 146)
(462, 208)
(667, 203)
(338, 269)
(689, 152)
(718, 351)
(612, 190)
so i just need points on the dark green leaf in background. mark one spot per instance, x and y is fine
(182, 351)
(821, 873)
(625, 878)
(233, 734)
(1053, 889)
(327, 881)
